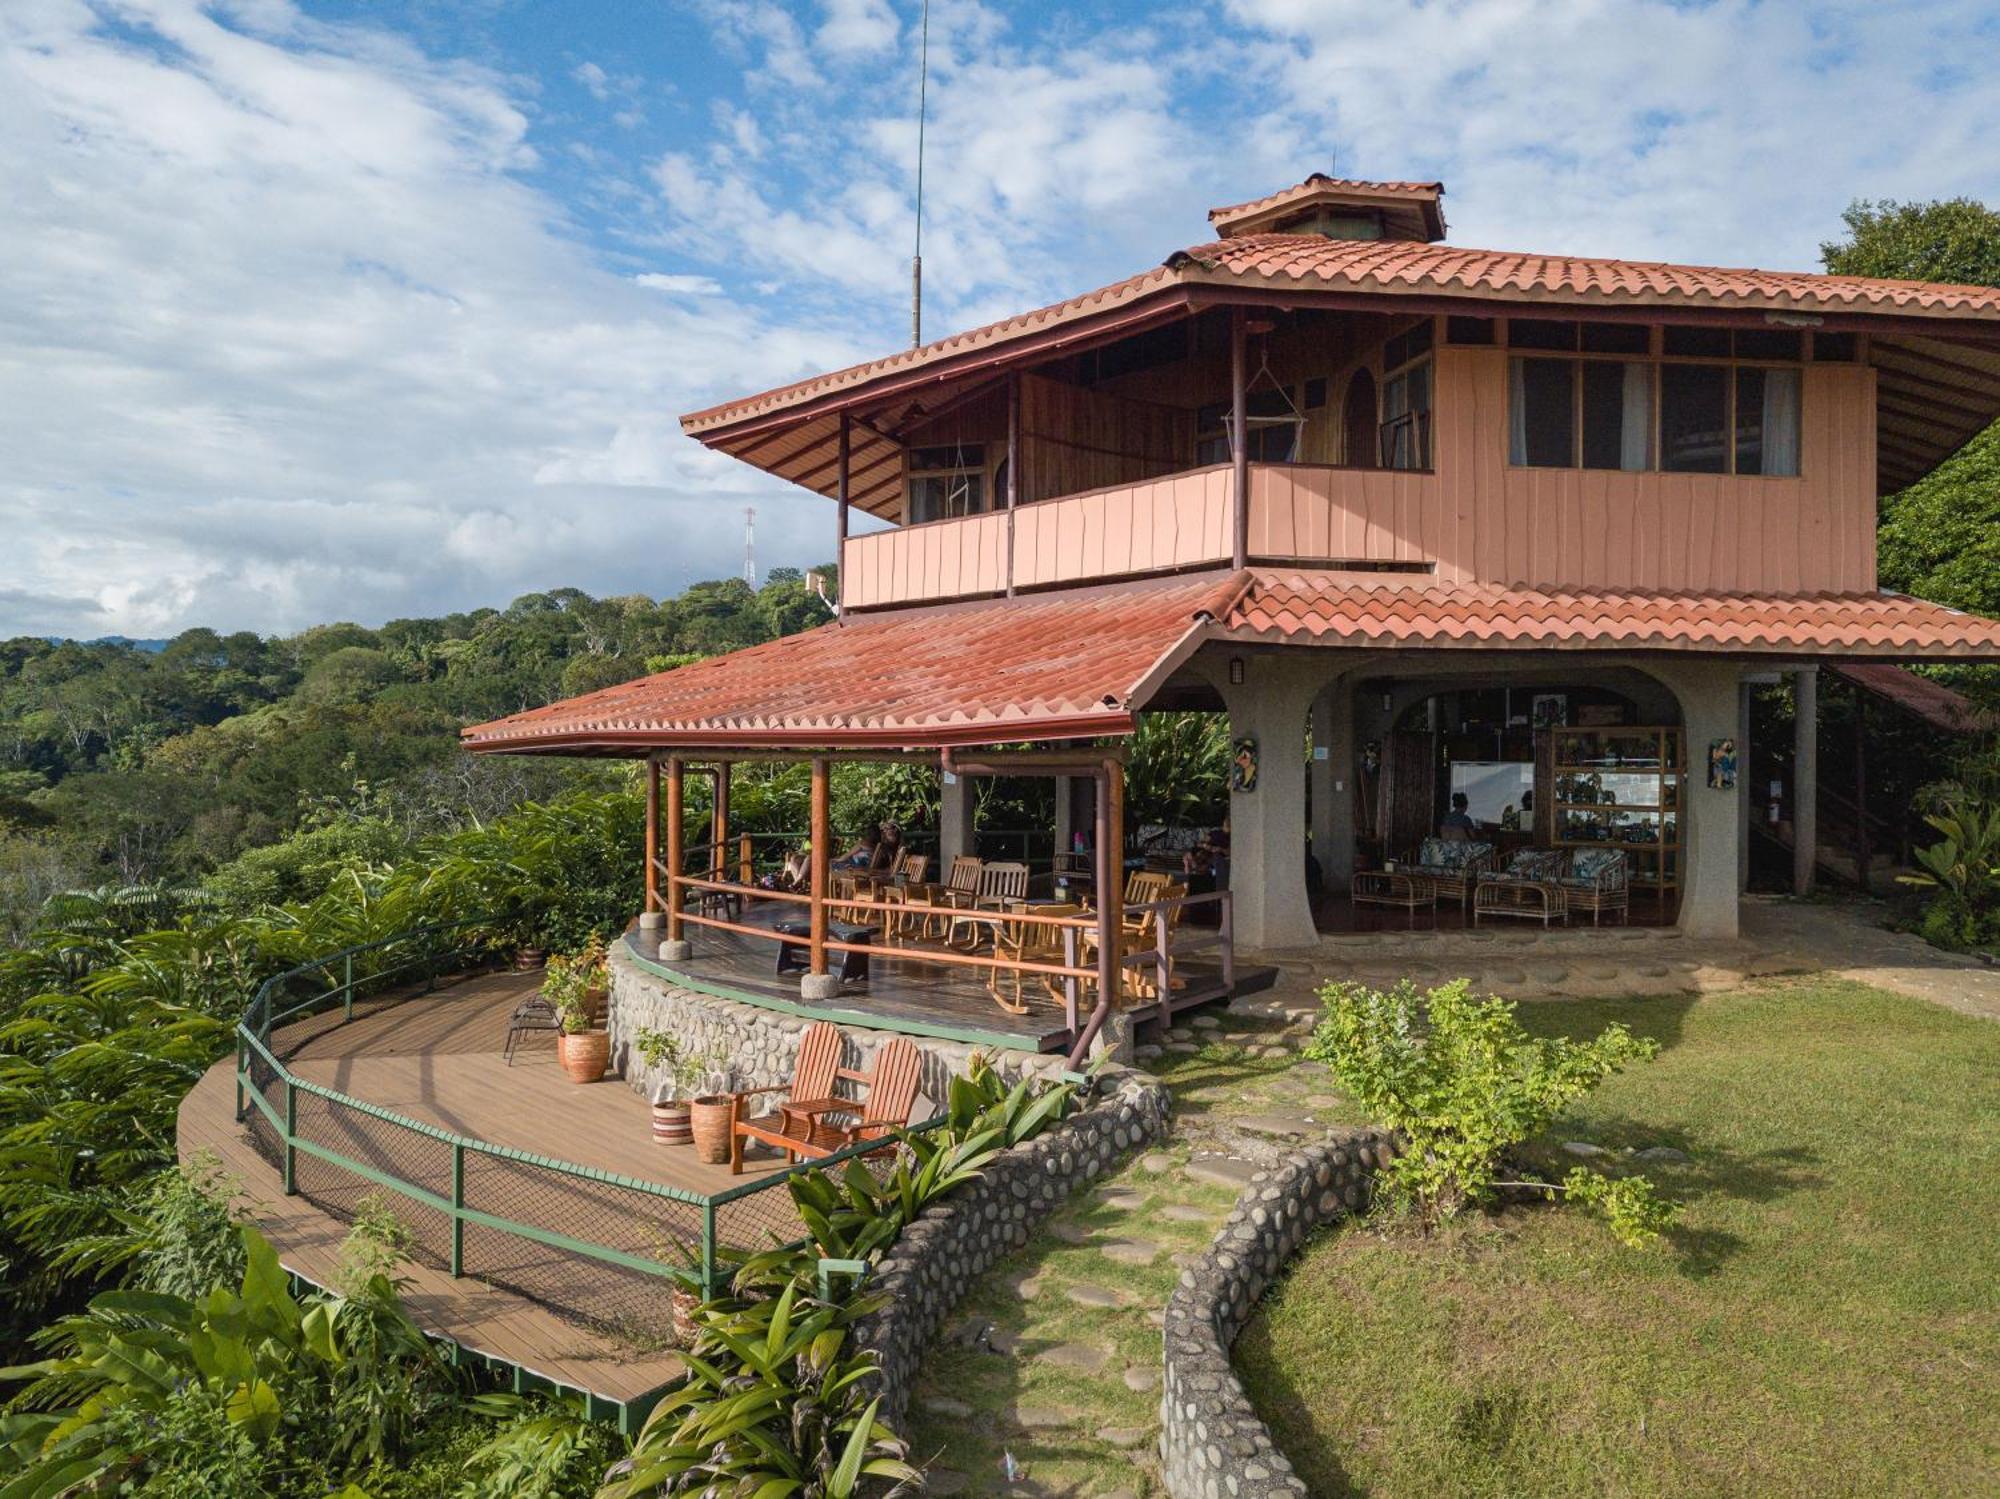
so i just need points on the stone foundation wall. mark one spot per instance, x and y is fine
(955, 1241)
(758, 1046)
(1212, 1443)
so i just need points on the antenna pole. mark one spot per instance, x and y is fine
(750, 545)
(917, 254)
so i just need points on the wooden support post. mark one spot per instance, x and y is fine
(652, 833)
(718, 833)
(1239, 442)
(674, 846)
(1805, 779)
(1861, 787)
(1110, 881)
(840, 512)
(822, 854)
(1013, 468)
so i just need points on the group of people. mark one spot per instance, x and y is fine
(876, 849)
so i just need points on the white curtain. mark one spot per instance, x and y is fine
(1517, 411)
(1635, 433)
(1781, 423)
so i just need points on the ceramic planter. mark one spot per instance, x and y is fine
(530, 959)
(671, 1122)
(710, 1117)
(583, 1054)
(683, 1301)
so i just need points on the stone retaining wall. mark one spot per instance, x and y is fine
(1212, 1443)
(758, 1046)
(958, 1239)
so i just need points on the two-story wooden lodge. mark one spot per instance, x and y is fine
(1422, 519)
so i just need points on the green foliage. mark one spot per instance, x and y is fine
(546, 1448)
(572, 979)
(377, 1243)
(1963, 868)
(1462, 1083)
(1957, 241)
(1179, 772)
(688, 1069)
(330, 1385)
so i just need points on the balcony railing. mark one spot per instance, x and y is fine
(1305, 512)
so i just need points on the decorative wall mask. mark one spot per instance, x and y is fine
(1722, 764)
(1243, 764)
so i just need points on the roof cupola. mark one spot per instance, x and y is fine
(1340, 208)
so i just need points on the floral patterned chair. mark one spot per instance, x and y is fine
(1599, 881)
(1530, 886)
(1453, 866)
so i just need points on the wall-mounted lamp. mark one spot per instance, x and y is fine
(1235, 671)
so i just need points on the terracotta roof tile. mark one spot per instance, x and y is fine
(1320, 183)
(1933, 702)
(1330, 608)
(1055, 665)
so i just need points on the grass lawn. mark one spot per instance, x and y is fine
(1825, 1320)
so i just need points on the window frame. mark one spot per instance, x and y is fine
(1421, 423)
(913, 474)
(1655, 356)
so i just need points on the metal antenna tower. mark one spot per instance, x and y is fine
(750, 545)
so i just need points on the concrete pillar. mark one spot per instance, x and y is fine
(1334, 730)
(1267, 839)
(1320, 776)
(1744, 789)
(1805, 778)
(954, 821)
(1710, 821)
(1065, 824)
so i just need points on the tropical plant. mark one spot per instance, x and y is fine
(339, 1382)
(688, 1068)
(1462, 1084)
(1179, 771)
(1963, 867)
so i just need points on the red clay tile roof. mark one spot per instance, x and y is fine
(1054, 665)
(1333, 609)
(1319, 182)
(1933, 702)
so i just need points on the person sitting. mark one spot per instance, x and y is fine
(888, 846)
(1459, 819)
(863, 854)
(797, 873)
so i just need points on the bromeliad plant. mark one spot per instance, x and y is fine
(774, 1403)
(1963, 868)
(1463, 1084)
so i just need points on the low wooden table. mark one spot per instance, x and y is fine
(1533, 900)
(794, 957)
(1387, 887)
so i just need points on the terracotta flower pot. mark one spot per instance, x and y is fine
(528, 959)
(583, 1054)
(671, 1123)
(711, 1116)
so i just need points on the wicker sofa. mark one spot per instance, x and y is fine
(1453, 866)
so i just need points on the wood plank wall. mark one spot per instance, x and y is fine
(1474, 517)
(1074, 439)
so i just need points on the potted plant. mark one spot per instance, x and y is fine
(581, 1048)
(686, 1070)
(593, 966)
(710, 1117)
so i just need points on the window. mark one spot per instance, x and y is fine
(1468, 330)
(946, 482)
(1273, 421)
(1406, 398)
(1690, 409)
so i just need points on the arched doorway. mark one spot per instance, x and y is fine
(1358, 422)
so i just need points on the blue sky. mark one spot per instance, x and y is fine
(317, 310)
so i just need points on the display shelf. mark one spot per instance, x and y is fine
(1621, 788)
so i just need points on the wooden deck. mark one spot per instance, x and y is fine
(575, 1322)
(905, 992)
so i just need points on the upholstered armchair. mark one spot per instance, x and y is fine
(1599, 881)
(1453, 866)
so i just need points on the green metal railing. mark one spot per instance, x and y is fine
(330, 1135)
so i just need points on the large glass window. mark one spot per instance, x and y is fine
(1406, 417)
(1676, 412)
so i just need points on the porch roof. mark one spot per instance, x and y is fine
(1062, 665)
(1083, 662)
(1328, 608)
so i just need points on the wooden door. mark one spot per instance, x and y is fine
(1360, 448)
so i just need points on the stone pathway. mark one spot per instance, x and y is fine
(1054, 1360)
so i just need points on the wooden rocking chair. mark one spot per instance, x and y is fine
(960, 889)
(1031, 936)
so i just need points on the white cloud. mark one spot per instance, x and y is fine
(857, 28)
(283, 337)
(594, 78)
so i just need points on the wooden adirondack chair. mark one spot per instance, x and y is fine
(813, 1077)
(889, 1094)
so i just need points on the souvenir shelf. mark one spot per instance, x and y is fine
(1621, 788)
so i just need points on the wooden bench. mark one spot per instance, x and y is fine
(796, 957)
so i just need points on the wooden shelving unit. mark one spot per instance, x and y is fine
(1623, 788)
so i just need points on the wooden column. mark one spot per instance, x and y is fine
(675, 843)
(822, 854)
(652, 833)
(1013, 468)
(840, 512)
(1239, 441)
(1110, 877)
(718, 828)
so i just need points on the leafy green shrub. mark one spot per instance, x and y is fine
(1963, 871)
(1462, 1084)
